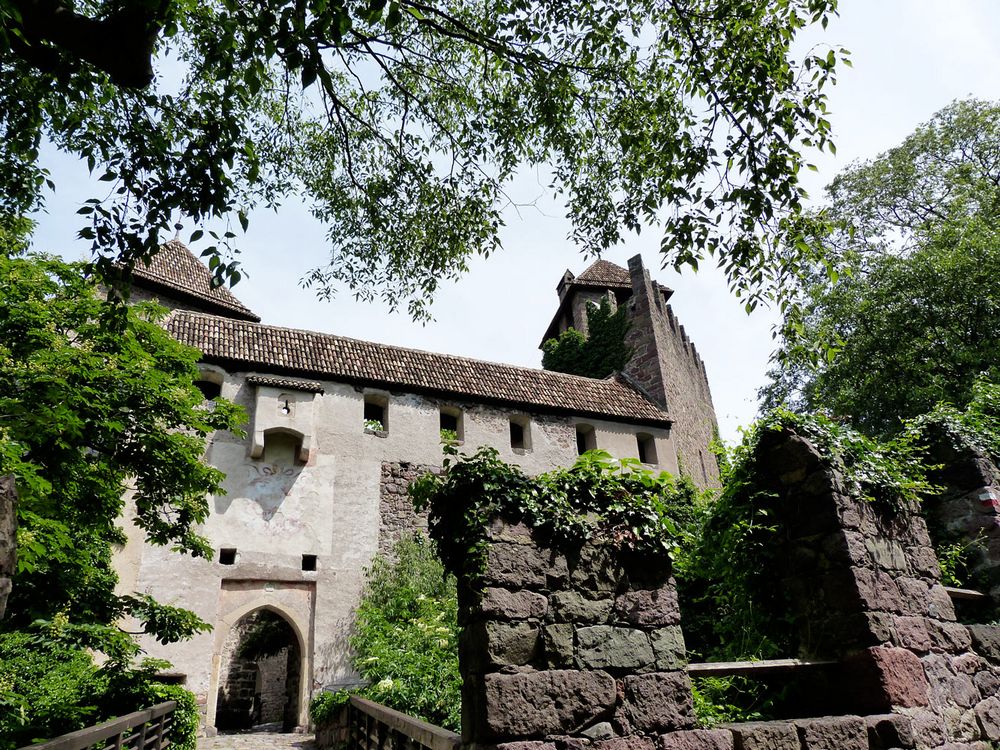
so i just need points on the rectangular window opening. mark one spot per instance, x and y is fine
(376, 413)
(586, 438)
(227, 556)
(516, 436)
(647, 448)
(308, 562)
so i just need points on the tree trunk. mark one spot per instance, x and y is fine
(8, 537)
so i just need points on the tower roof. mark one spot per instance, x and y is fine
(604, 273)
(176, 271)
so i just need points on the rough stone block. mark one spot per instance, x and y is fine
(949, 636)
(572, 606)
(557, 640)
(887, 554)
(988, 716)
(596, 571)
(914, 594)
(986, 639)
(939, 604)
(504, 531)
(764, 735)
(655, 607)
(659, 701)
(929, 727)
(526, 745)
(542, 703)
(608, 647)
(697, 739)
(885, 678)
(988, 682)
(889, 731)
(833, 733)
(960, 723)
(625, 743)
(878, 590)
(511, 644)
(962, 691)
(513, 605)
(668, 648)
(515, 566)
(912, 633)
(602, 730)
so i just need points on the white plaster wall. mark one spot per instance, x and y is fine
(273, 513)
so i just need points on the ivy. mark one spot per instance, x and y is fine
(599, 497)
(597, 355)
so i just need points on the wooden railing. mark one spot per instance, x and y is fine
(142, 730)
(372, 726)
(759, 668)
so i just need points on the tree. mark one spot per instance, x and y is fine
(96, 400)
(403, 122)
(914, 318)
(602, 352)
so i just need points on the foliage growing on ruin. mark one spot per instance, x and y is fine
(914, 313)
(599, 497)
(602, 352)
(406, 635)
(976, 426)
(324, 706)
(402, 125)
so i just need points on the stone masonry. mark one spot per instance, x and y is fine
(585, 650)
(396, 514)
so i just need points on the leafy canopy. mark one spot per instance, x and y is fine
(97, 401)
(916, 318)
(602, 352)
(402, 124)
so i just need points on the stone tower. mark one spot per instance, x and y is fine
(665, 365)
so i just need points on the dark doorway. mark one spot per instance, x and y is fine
(259, 682)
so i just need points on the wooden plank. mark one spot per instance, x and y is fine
(84, 738)
(760, 668)
(966, 594)
(421, 732)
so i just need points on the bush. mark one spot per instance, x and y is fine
(323, 707)
(406, 634)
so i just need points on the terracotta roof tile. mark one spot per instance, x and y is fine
(605, 273)
(271, 349)
(310, 386)
(176, 269)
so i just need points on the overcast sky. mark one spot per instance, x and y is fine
(911, 58)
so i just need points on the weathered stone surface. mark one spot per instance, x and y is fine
(878, 590)
(558, 644)
(914, 594)
(668, 648)
(526, 745)
(889, 731)
(504, 531)
(8, 537)
(912, 633)
(939, 604)
(833, 733)
(988, 717)
(513, 605)
(515, 566)
(962, 691)
(659, 701)
(649, 607)
(602, 730)
(572, 606)
(511, 644)
(635, 742)
(596, 571)
(949, 636)
(543, 703)
(887, 678)
(929, 727)
(961, 724)
(697, 739)
(605, 646)
(764, 735)
(986, 639)
(988, 682)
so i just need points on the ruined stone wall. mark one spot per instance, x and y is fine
(571, 651)
(396, 514)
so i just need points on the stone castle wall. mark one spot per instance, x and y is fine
(666, 365)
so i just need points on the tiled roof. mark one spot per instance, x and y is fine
(286, 350)
(605, 273)
(176, 270)
(310, 386)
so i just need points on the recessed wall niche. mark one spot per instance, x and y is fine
(283, 407)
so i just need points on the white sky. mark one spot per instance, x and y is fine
(911, 58)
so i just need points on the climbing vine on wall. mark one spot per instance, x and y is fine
(597, 355)
(599, 497)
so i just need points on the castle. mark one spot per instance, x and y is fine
(336, 430)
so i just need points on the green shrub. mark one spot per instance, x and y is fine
(406, 635)
(324, 706)
(184, 732)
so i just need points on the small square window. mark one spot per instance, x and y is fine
(647, 448)
(450, 424)
(308, 562)
(227, 556)
(376, 415)
(586, 438)
(520, 434)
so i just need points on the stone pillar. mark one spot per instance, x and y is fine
(8, 537)
(570, 647)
